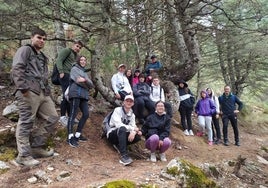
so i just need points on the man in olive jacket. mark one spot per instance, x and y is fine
(65, 61)
(37, 110)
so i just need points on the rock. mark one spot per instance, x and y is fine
(32, 180)
(262, 160)
(3, 165)
(11, 112)
(64, 175)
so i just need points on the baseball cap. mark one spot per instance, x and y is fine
(121, 65)
(129, 97)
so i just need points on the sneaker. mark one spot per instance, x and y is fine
(81, 139)
(217, 141)
(186, 132)
(210, 143)
(153, 157)
(27, 161)
(226, 143)
(237, 143)
(73, 142)
(199, 133)
(64, 120)
(191, 133)
(163, 157)
(125, 160)
(40, 152)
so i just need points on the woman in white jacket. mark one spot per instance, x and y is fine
(215, 117)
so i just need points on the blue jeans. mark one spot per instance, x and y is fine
(76, 103)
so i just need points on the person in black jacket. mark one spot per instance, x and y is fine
(78, 96)
(156, 131)
(187, 101)
(141, 92)
(228, 112)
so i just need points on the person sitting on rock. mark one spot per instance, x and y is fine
(123, 130)
(141, 92)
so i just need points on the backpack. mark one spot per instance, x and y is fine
(106, 124)
(55, 77)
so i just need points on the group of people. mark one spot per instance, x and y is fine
(208, 109)
(38, 114)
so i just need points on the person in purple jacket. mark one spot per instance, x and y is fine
(204, 109)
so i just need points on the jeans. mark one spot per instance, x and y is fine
(216, 126)
(186, 113)
(65, 105)
(233, 120)
(152, 143)
(119, 137)
(76, 103)
(205, 122)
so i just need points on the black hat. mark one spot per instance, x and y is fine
(182, 81)
(153, 56)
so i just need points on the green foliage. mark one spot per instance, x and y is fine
(120, 184)
(7, 154)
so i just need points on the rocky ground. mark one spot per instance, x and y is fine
(95, 162)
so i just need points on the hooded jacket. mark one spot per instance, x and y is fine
(186, 97)
(205, 106)
(79, 89)
(156, 124)
(215, 100)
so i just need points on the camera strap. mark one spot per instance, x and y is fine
(125, 117)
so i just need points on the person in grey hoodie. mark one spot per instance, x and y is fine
(78, 96)
(215, 116)
(204, 109)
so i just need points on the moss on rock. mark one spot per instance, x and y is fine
(120, 184)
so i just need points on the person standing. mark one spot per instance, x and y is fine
(37, 113)
(156, 131)
(65, 60)
(78, 97)
(204, 109)
(120, 83)
(123, 130)
(228, 112)
(215, 116)
(187, 101)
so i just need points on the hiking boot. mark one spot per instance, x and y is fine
(125, 160)
(27, 161)
(186, 132)
(226, 143)
(40, 152)
(64, 120)
(73, 142)
(191, 133)
(163, 157)
(237, 143)
(81, 139)
(217, 141)
(153, 157)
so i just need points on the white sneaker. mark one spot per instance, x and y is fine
(64, 120)
(191, 133)
(153, 157)
(186, 132)
(163, 157)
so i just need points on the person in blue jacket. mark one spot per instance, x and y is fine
(153, 67)
(228, 112)
(204, 109)
(78, 97)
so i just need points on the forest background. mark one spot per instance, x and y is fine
(207, 43)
